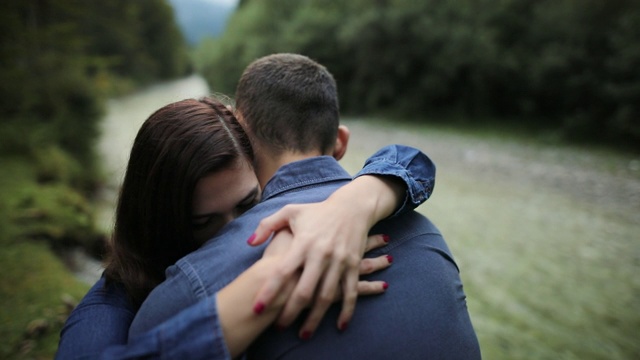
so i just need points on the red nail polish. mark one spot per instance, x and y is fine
(385, 238)
(251, 238)
(389, 259)
(306, 335)
(385, 285)
(344, 326)
(258, 308)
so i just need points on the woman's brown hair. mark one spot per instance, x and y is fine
(176, 146)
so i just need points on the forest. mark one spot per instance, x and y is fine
(567, 68)
(61, 60)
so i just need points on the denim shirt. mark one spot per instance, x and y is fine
(99, 326)
(424, 315)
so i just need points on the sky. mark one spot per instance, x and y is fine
(199, 19)
(223, 2)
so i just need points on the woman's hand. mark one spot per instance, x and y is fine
(330, 239)
(280, 246)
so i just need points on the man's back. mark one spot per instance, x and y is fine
(422, 315)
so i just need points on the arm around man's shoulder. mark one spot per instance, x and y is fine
(169, 298)
(100, 320)
(412, 166)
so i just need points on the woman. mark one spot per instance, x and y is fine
(178, 155)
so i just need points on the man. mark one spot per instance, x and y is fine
(289, 106)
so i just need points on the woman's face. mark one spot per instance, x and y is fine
(221, 197)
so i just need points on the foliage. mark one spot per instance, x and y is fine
(60, 60)
(36, 291)
(566, 66)
(61, 56)
(36, 295)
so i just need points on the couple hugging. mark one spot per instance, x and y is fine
(238, 234)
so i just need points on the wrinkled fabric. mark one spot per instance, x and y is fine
(422, 315)
(99, 326)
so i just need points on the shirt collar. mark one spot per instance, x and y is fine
(297, 174)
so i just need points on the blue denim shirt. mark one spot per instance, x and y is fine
(423, 315)
(99, 326)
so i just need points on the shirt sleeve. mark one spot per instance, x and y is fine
(410, 165)
(195, 333)
(98, 328)
(101, 319)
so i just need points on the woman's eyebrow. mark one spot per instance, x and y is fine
(250, 196)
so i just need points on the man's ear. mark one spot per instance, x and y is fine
(238, 116)
(341, 142)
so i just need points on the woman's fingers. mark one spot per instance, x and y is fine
(351, 289)
(304, 291)
(370, 265)
(267, 226)
(280, 245)
(366, 288)
(325, 297)
(376, 241)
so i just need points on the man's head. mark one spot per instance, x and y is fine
(289, 104)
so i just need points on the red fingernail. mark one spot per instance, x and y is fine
(389, 259)
(251, 238)
(385, 238)
(385, 285)
(306, 335)
(344, 326)
(258, 308)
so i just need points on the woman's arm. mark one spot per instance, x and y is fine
(101, 319)
(407, 165)
(219, 327)
(330, 236)
(98, 329)
(239, 321)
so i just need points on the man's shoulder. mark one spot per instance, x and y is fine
(408, 224)
(414, 230)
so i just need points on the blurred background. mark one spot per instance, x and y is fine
(530, 109)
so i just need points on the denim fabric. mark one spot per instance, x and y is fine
(409, 164)
(423, 314)
(97, 329)
(80, 338)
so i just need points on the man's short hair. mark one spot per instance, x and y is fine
(289, 103)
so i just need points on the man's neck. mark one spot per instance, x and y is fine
(266, 166)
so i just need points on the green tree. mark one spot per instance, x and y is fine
(564, 66)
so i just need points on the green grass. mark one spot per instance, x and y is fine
(33, 287)
(34, 281)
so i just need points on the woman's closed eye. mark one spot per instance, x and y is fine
(202, 222)
(217, 220)
(247, 204)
